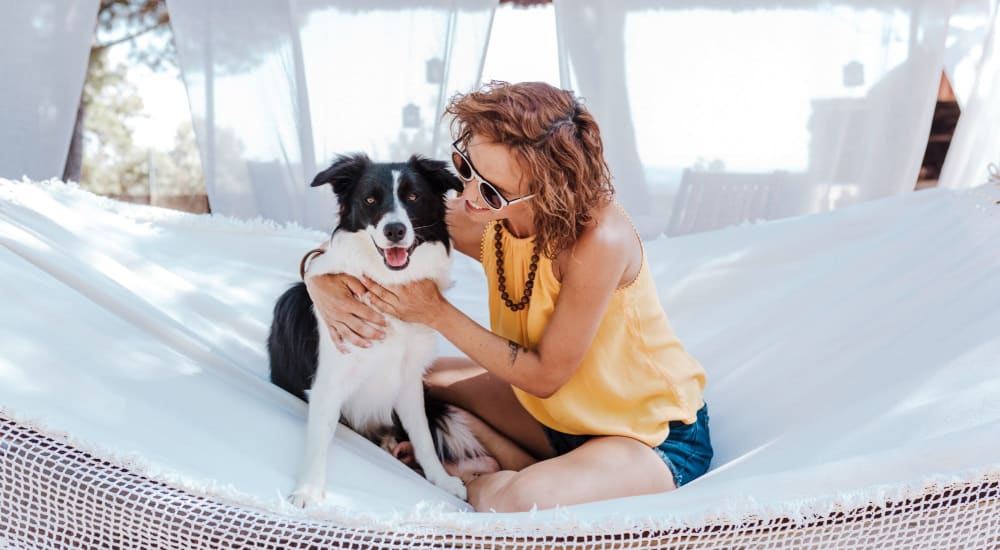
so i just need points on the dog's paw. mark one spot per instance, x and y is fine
(306, 495)
(453, 485)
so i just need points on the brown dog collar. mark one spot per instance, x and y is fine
(306, 259)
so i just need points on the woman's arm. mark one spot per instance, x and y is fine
(335, 296)
(591, 275)
(349, 320)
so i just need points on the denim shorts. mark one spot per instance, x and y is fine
(687, 451)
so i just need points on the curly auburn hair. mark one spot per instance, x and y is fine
(557, 144)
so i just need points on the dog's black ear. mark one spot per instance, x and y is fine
(345, 171)
(437, 174)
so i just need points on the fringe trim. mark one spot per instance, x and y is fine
(440, 517)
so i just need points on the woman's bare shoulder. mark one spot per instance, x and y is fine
(610, 241)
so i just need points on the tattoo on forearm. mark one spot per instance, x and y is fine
(514, 348)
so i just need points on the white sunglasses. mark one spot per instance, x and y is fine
(489, 192)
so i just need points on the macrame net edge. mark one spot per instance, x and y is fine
(58, 492)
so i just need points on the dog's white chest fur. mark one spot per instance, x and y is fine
(370, 380)
(375, 377)
(392, 229)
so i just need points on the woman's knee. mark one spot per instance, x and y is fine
(519, 494)
(443, 379)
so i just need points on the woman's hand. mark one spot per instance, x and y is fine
(416, 302)
(349, 320)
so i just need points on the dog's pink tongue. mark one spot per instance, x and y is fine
(396, 256)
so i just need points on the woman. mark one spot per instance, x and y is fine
(580, 389)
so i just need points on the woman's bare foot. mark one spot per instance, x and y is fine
(468, 469)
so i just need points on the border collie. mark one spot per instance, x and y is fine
(392, 229)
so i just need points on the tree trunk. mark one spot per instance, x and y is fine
(74, 159)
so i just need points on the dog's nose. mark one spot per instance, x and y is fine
(394, 231)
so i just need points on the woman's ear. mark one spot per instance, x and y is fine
(437, 173)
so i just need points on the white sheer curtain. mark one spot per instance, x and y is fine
(968, 29)
(45, 45)
(279, 87)
(976, 143)
(722, 112)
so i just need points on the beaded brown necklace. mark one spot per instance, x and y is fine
(532, 269)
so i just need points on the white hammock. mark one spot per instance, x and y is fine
(853, 362)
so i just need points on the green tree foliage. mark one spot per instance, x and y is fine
(123, 21)
(111, 163)
(104, 157)
(178, 171)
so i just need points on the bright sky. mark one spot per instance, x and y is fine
(523, 46)
(164, 100)
(166, 106)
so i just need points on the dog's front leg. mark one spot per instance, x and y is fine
(413, 416)
(325, 400)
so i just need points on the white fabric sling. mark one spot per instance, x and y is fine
(852, 360)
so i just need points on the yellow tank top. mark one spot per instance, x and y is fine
(635, 378)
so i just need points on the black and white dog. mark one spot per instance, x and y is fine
(392, 229)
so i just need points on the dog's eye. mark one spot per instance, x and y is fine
(411, 197)
(370, 200)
